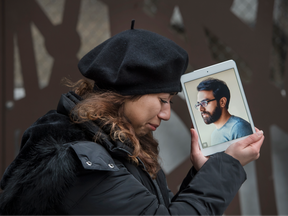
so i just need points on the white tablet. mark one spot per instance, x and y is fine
(218, 106)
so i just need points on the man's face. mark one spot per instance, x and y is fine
(212, 112)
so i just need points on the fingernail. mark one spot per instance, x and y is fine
(259, 133)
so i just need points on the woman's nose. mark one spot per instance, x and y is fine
(165, 112)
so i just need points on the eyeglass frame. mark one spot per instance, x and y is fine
(198, 104)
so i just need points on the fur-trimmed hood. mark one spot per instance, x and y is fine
(52, 150)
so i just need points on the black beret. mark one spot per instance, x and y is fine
(136, 62)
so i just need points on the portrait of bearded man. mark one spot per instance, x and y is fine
(213, 102)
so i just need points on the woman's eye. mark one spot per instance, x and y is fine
(163, 101)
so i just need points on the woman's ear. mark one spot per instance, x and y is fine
(223, 102)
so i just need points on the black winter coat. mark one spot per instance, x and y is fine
(59, 170)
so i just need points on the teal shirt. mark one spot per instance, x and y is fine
(234, 128)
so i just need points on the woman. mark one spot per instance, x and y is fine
(96, 154)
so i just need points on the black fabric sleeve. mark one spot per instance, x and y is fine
(208, 193)
(214, 186)
(192, 172)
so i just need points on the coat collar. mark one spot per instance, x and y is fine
(115, 147)
(47, 145)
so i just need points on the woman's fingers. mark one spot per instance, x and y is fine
(252, 139)
(248, 149)
(194, 141)
(196, 156)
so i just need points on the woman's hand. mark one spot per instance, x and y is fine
(248, 149)
(196, 156)
(244, 151)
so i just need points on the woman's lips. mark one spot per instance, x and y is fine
(153, 126)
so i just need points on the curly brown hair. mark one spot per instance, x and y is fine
(108, 107)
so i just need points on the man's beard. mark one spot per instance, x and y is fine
(212, 117)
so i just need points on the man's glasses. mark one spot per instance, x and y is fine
(203, 103)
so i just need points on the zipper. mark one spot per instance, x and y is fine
(122, 149)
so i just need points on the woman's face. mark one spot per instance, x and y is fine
(146, 113)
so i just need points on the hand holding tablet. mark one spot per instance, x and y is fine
(248, 149)
(218, 106)
(245, 150)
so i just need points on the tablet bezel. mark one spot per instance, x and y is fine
(202, 73)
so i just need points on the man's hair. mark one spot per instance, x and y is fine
(219, 88)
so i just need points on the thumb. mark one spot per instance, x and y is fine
(194, 141)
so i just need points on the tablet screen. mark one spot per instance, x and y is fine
(208, 110)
